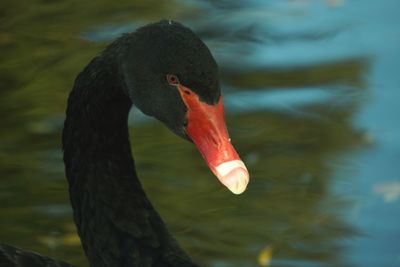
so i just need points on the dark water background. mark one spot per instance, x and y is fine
(311, 90)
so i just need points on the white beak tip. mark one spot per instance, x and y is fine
(233, 175)
(237, 180)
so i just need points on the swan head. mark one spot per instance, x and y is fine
(170, 74)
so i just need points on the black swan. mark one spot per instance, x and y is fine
(167, 72)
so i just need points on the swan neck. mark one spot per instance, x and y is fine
(116, 222)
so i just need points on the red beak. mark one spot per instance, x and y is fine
(206, 127)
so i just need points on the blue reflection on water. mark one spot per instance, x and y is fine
(374, 31)
(283, 99)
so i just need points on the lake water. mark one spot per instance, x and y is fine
(311, 90)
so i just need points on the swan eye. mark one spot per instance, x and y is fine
(172, 79)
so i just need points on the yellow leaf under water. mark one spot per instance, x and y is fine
(265, 256)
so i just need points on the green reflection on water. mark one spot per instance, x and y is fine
(288, 204)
